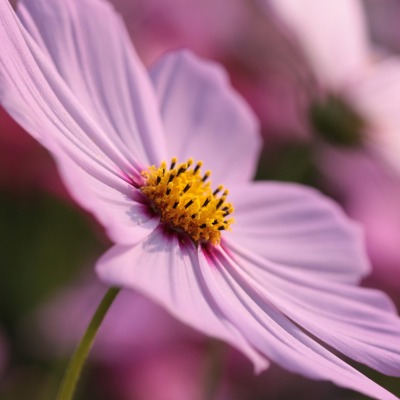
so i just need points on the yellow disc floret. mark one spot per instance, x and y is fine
(185, 201)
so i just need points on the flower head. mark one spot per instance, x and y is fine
(355, 101)
(280, 285)
(355, 109)
(186, 203)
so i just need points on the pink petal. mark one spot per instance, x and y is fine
(370, 193)
(328, 31)
(298, 228)
(120, 208)
(166, 268)
(377, 94)
(240, 297)
(204, 118)
(361, 323)
(95, 58)
(232, 277)
(93, 165)
(33, 92)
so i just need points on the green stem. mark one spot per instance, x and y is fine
(80, 355)
(214, 367)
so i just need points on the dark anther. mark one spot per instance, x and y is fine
(180, 170)
(221, 228)
(175, 204)
(215, 222)
(203, 226)
(189, 203)
(187, 187)
(172, 164)
(194, 216)
(218, 189)
(168, 191)
(158, 180)
(206, 202)
(197, 167)
(172, 176)
(205, 177)
(221, 200)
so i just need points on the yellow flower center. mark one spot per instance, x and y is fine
(185, 201)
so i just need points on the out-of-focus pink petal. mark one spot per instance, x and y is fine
(95, 58)
(278, 103)
(377, 94)
(370, 193)
(299, 228)
(204, 118)
(166, 268)
(383, 23)
(333, 34)
(178, 372)
(207, 27)
(239, 283)
(121, 338)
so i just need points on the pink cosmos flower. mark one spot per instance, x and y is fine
(361, 166)
(349, 43)
(363, 90)
(280, 285)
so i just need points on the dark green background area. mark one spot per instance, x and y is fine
(45, 244)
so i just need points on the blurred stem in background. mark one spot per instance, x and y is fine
(213, 369)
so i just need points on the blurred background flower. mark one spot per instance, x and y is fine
(326, 89)
(384, 29)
